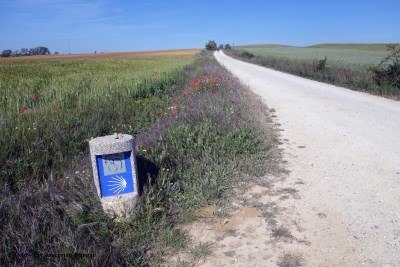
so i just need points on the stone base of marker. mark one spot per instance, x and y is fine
(120, 208)
(115, 173)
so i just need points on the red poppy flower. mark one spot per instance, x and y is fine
(159, 114)
(24, 108)
(36, 97)
(213, 92)
(177, 107)
(185, 95)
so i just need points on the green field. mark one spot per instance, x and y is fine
(357, 57)
(48, 109)
(368, 47)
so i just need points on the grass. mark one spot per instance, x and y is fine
(290, 260)
(348, 66)
(193, 126)
(201, 251)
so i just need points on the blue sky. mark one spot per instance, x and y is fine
(112, 25)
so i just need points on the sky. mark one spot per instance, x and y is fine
(123, 25)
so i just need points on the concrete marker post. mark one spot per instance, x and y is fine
(115, 172)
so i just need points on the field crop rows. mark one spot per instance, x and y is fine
(186, 53)
(50, 108)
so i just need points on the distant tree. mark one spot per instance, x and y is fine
(211, 45)
(220, 47)
(227, 47)
(24, 51)
(16, 53)
(95, 52)
(56, 53)
(6, 53)
(40, 50)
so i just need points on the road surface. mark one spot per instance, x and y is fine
(345, 147)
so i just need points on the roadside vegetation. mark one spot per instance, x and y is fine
(350, 66)
(195, 133)
(368, 47)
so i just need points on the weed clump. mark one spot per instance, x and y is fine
(320, 65)
(290, 260)
(281, 233)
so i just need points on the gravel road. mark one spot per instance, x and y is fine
(345, 147)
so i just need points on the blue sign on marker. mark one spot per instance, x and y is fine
(115, 173)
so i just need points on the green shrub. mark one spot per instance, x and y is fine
(388, 71)
(247, 54)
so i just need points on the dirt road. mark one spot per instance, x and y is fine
(344, 148)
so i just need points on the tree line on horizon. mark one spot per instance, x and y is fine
(39, 50)
(212, 46)
(42, 50)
